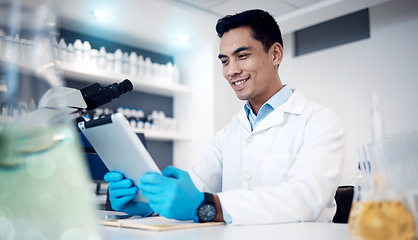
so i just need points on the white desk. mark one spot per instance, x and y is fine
(288, 231)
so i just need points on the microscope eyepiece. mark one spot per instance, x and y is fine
(121, 88)
(95, 96)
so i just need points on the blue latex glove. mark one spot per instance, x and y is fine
(121, 193)
(172, 194)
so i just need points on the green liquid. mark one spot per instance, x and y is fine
(44, 187)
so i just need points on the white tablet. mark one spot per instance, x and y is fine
(119, 147)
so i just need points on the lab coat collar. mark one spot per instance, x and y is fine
(294, 105)
(242, 120)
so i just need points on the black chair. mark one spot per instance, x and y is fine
(344, 199)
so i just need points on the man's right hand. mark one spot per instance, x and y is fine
(121, 193)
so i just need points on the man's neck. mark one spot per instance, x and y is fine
(257, 103)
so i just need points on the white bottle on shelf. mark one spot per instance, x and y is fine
(8, 46)
(120, 110)
(110, 62)
(169, 72)
(101, 58)
(70, 53)
(148, 70)
(127, 112)
(132, 118)
(125, 63)
(140, 118)
(155, 76)
(162, 71)
(164, 75)
(118, 61)
(133, 64)
(141, 68)
(162, 119)
(155, 120)
(86, 52)
(62, 50)
(23, 51)
(94, 54)
(16, 48)
(78, 51)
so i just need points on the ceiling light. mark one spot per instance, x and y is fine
(182, 38)
(100, 14)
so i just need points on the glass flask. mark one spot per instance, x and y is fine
(44, 183)
(382, 206)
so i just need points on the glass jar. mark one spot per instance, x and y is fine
(380, 210)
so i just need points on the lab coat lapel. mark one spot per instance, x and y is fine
(294, 105)
(242, 120)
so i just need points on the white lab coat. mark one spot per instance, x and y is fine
(286, 170)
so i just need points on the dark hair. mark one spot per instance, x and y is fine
(264, 27)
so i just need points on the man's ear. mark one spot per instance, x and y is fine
(276, 53)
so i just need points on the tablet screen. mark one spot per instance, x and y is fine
(119, 147)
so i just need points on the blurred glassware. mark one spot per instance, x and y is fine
(386, 195)
(44, 182)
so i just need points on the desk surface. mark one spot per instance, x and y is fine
(293, 231)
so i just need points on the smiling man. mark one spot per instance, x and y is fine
(250, 70)
(279, 160)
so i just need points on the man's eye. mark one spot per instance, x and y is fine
(224, 62)
(243, 56)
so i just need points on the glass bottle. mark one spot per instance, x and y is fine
(44, 183)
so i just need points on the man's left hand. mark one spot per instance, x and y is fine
(172, 194)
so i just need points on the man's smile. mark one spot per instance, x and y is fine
(239, 82)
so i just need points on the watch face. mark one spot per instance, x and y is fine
(207, 213)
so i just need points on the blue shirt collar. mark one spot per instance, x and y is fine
(274, 102)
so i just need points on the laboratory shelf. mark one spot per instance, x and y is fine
(86, 74)
(83, 73)
(160, 135)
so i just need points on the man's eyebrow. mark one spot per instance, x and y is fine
(235, 52)
(240, 49)
(221, 56)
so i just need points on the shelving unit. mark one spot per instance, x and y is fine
(86, 74)
(163, 135)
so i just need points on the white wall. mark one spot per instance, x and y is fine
(344, 78)
(195, 111)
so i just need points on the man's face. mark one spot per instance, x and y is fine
(250, 71)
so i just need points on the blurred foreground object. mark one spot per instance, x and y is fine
(385, 204)
(44, 184)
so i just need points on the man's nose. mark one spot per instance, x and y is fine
(233, 69)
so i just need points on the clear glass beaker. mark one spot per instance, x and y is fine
(44, 183)
(379, 210)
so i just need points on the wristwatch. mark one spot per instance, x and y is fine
(207, 210)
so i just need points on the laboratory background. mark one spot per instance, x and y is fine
(356, 57)
(360, 61)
